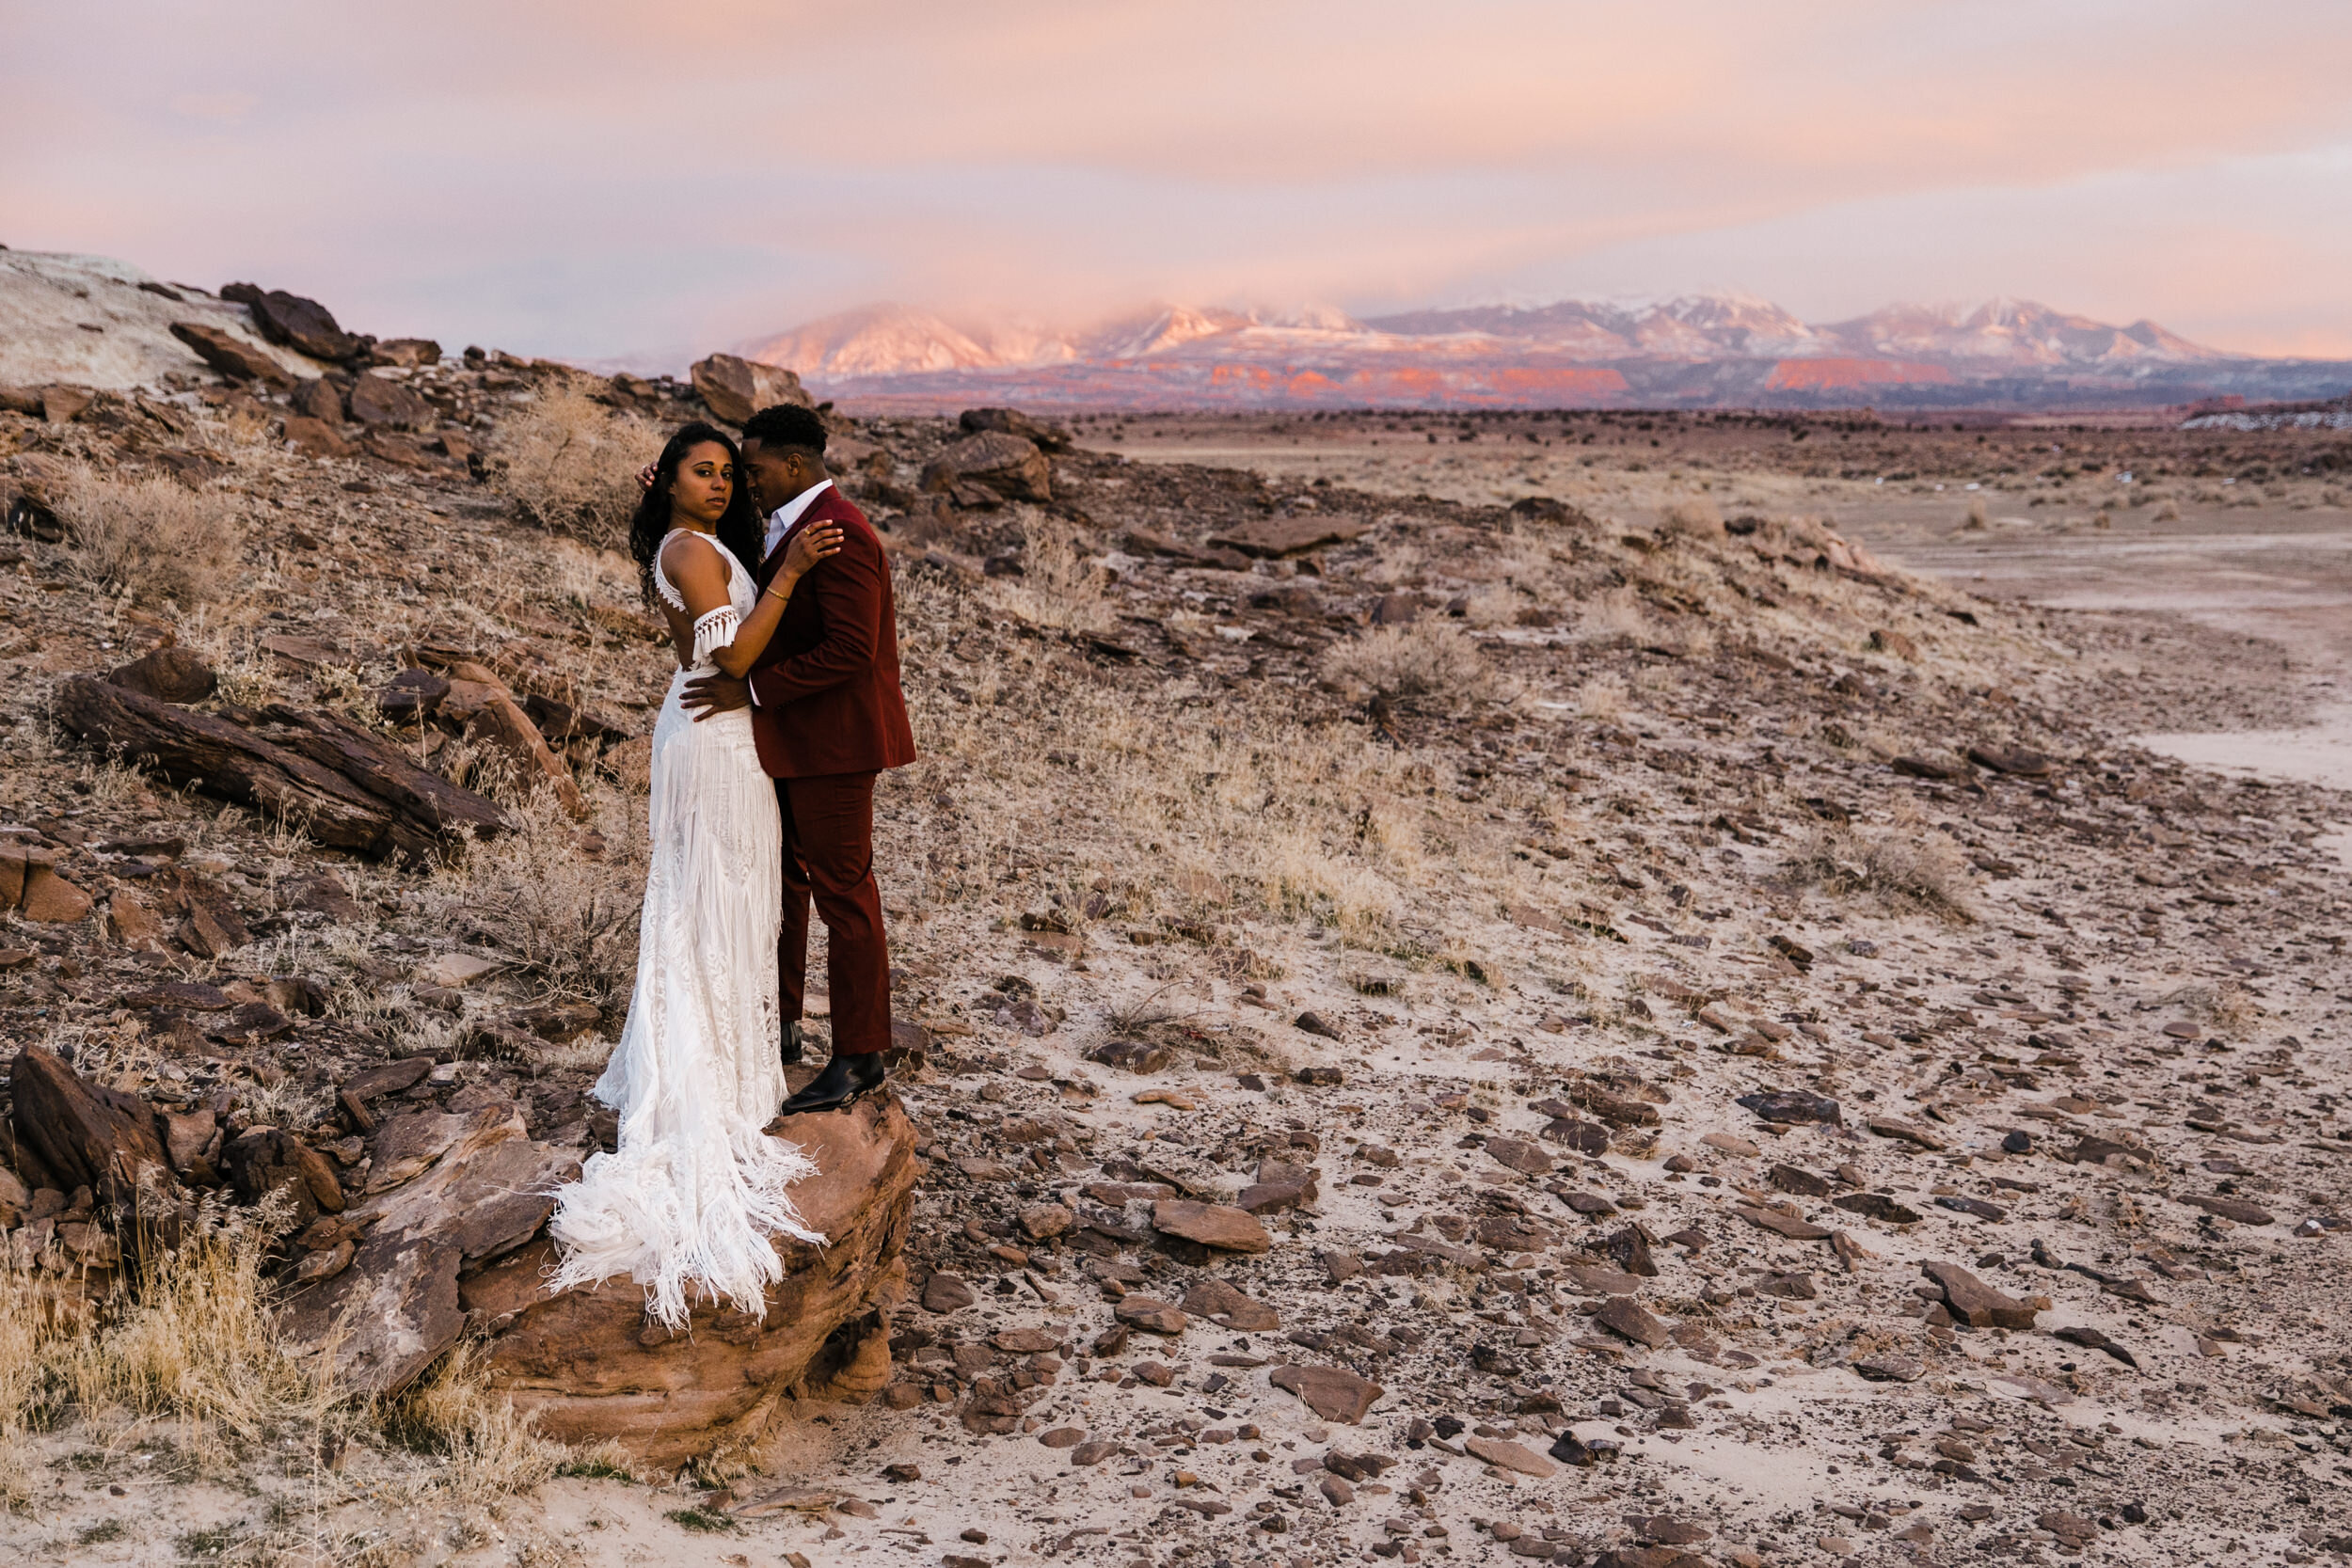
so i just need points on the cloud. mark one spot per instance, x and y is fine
(600, 176)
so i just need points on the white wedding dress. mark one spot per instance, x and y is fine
(688, 1204)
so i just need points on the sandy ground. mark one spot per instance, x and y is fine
(2150, 955)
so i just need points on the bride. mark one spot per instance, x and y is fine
(696, 1188)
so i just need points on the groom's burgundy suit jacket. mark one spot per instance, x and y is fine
(825, 690)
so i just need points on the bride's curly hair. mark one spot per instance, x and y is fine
(739, 529)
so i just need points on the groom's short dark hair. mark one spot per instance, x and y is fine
(787, 425)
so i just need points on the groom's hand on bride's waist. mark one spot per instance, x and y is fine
(715, 693)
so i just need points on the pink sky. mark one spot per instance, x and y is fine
(597, 178)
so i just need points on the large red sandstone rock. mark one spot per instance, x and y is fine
(591, 1367)
(736, 389)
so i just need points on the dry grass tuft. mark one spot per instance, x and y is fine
(1691, 516)
(153, 539)
(1427, 661)
(193, 1339)
(1905, 865)
(1617, 617)
(571, 466)
(1059, 586)
(489, 1452)
(1602, 699)
(534, 891)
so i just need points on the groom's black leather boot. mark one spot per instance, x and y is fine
(844, 1080)
(794, 1044)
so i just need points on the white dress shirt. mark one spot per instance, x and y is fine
(780, 523)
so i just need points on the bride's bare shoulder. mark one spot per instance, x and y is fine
(690, 557)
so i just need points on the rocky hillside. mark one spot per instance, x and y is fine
(1428, 1030)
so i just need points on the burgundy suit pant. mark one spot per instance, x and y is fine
(829, 859)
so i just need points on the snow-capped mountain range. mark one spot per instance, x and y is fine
(1701, 349)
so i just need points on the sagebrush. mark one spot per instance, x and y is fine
(571, 466)
(156, 540)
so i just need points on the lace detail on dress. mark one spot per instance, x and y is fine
(714, 631)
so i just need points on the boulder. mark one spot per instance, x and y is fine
(587, 1366)
(395, 1310)
(479, 706)
(1012, 421)
(266, 1160)
(231, 356)
(1216, 1300)
(380, 400)
(315, 437)
(1212, 1225)
(171, 674)
(130, 922)
(734, 389)
(50, 899)
(87, 1135)
(1004, 465)
(302, 325)
(1274, 537)
(407, 352)
(318, 399)
(1975, 1302)
(1333, 1393)
(412, 696)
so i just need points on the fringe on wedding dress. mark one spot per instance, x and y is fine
(687, 1205)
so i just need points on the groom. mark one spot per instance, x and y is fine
(828, 717)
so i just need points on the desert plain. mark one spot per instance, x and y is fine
(1598, 988)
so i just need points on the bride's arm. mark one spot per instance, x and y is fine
(710, 626)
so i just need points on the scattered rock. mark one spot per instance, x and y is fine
(1525, 1158)
(1005, 465)
(1973, 1302)
(1333, 1393)
(1151, 1315)
(1504, 1455)
(1131, 1057)
(302, 325)
(1625, 1317)
(1905, 1132)
(2003, 759)
(380, 400)
(1212, 1225)
(1890, 1366)
(1877, 1206)
(1793, 1105)
(170, 673)
(2235, 1209)
(947, 1293)
(1220, 1301)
